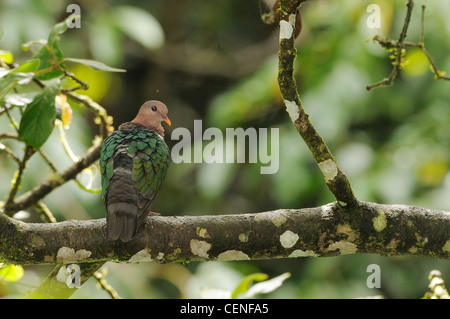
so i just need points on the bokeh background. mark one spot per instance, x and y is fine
(217, 61)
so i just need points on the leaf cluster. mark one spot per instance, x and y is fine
(45, 68)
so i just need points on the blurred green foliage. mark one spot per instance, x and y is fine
(216, 61)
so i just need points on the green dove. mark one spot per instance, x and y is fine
(133, 163)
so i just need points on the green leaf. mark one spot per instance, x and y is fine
(11, 273)
(27, 45)
(242, 287)
(267, 286)
(4, 71)
(29, 66)
(48, 61)
(20, 99)
(6, 85)
(96, 65)
(36, 124)
(6, 56)
(140, 26)
(10, 81)
(103, 33)
(60, 28)
(50, 54)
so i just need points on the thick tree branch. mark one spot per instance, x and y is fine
(286, 233)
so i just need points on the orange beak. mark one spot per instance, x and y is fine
(166, 119)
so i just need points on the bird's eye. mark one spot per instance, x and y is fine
(154, 108)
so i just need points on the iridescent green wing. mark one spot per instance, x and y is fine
(107, 158)
(150, 162)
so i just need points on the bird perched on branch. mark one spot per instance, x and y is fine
(133, 162)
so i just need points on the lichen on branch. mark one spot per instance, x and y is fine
(322, 231)
(335, 179)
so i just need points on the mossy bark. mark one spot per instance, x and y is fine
(338, 182)
(286, 233)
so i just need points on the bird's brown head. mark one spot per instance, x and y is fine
(151, 114)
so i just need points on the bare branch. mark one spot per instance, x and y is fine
(10, 153)
(399, 50)
(31, 197)
(398, 47)
(17, 180)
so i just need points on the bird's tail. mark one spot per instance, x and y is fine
(121, 199)
(121, 221)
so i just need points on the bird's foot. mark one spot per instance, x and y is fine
(153, 214)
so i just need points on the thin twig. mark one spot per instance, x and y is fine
(399, 50)
(9, 152)
(12, 120)
(422, 18)
(39, 83)
(4, 110)
(9, 136)
(83, 84)
(437, 73)
(401, 43)
(100, 276)
(45, 212)
(31, 197)
(105, 120)
(48, 161)
(18, 177)
(6, 149)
